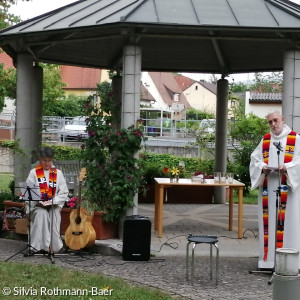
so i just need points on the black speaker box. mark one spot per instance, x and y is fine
(136, 238)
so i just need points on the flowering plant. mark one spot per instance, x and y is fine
(72, 202)
(113, 173)
(174, 171)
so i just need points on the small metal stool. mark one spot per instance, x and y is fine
(201, 239)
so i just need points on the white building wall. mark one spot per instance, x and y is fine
(9, 105)
(260, 109)
(150, 86)
(201, 98)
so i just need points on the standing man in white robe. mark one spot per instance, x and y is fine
(258, 171)
(41, 212)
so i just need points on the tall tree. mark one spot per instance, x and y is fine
(246, 134)
(6, 18)
(213, 78)
(267, 82)
(7, 84)
(7, 77)
(52, 88)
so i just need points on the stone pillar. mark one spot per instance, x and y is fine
(221, 136)
(131, 95)
(291, 89)
(117, 98)
(37, 106)
(24, 116)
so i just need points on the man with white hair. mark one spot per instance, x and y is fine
(264, 173)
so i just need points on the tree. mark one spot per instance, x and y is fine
(247, 133)
(213, 79)
(7, 19)
(267, 82)
(54, 100)
(70, 106)
(238, 87)
(7, 77)
(195, 114)
(52, 88)
(8, 84)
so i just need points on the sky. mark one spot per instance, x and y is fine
(33, 8)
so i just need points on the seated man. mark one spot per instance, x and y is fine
(52, 185)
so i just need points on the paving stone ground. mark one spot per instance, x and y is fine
(166, 269)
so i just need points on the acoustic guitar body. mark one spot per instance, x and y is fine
(81, 233)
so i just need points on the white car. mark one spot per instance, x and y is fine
(208, 126)
(75, 130)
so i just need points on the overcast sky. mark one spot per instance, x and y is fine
(33, 8)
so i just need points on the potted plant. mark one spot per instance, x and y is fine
(113, 173)
(65, 213)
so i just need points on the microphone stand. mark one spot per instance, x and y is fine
(278, 206)
(51, 253)
(278, 209)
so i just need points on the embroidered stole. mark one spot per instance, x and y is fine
(289, 152)
(46, 192)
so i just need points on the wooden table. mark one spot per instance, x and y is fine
(163, 183)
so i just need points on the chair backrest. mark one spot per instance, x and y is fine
(70, 169)
(68, 166)
(71, 181)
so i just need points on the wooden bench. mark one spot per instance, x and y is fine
(70, 169)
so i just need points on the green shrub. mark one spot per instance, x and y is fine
(61, 152)
(66, 152)
(153, 165)
(5, 196)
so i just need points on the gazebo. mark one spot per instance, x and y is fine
(215, 36)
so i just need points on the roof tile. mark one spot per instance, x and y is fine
(265, 97)
(80, 78)
(168, 86)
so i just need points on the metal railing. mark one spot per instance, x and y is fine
(54, 128)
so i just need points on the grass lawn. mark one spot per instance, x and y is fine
(249, 199)
(5, 179)
(21, 278)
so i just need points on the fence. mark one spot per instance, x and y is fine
(73, 129)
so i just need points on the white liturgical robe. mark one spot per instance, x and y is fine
(291, 237)
(41, 218)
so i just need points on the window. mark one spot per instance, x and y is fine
(176, 97)
(196, 87)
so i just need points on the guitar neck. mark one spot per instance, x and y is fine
(79, 199)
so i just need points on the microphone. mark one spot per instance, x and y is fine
(278, 146)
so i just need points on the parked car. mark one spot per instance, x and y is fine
(75, 130)
(207, 128)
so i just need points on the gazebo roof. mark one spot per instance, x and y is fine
(218, 36)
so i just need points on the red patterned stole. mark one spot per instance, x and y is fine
(46, 192)
(289, 152)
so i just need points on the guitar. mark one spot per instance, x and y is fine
(80, 233)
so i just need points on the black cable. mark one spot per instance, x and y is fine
(244, 237)
(80, 256)
(255, 235)
(170, 244)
